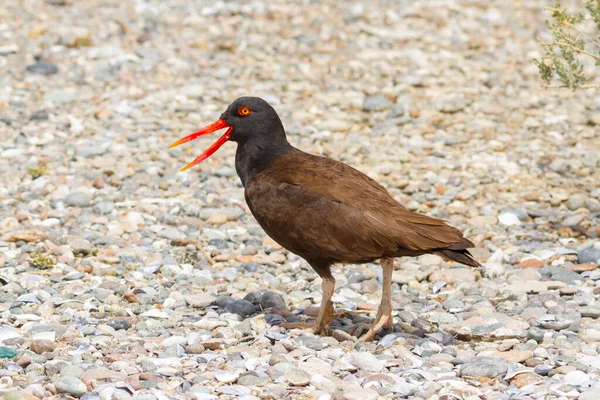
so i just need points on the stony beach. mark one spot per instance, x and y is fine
(122, 278)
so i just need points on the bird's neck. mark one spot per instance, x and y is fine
(254, 156)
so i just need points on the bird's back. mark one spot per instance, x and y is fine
(316, 206)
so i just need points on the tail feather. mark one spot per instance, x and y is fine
(462, 256)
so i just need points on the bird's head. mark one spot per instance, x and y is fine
(246, 119)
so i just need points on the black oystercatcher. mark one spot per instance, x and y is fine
(323, 210)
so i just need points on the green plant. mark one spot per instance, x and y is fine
(42, 260)
(562, 59)
(37, 171)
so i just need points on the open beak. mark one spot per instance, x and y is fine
(219, 124)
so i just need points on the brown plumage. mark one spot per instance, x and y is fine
(358, 220)
(326, 211)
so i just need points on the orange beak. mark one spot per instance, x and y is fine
(219, 124)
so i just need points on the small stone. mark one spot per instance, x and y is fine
(590, 312)
(254, 297)
(297, 376)
(562, 370)
(171, 234)
(531, 263)
(39, 116)
(560, 274)
(223, 301)
(453, 103)
(542, 369)
(194, 349)
(81, 247)
(442, 275)
(536, 334)
(508, 218)
(572, 221)
(200, 300)
(589, 255)
(361, 394)
(524, 379)
(71, 370)
(71, 385)
(367, 362)
(42, 68)
(242, 308)
(484, 367)
(516, 356)
(224, 376)
(579, 268)
(576, 378)
(272, 300)
(376, 103)
(78, 199)
(575, 202)
(397, 111)
(252, 379)
(41, 346)
(119, 324)
(591, 394)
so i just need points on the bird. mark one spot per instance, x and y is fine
(323, 210)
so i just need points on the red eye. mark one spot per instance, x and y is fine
(244, 111)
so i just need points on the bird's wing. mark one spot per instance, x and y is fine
(369, 215)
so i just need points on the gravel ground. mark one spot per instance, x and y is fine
(123, 278)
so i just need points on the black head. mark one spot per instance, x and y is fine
(249, 120)
(254, 119)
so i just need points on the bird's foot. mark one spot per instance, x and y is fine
(317, 329)
(383, 321)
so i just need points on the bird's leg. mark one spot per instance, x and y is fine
(321, 324)
(326, 311)
(384, 313)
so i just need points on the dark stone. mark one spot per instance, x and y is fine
(218, 243)
(119, 324)
(542, 369)
(254, 297)
(242, 308)
(274, 319)
(253, 242)
(536, 334)
(252, 266)
(560, 274)
(42, 68)
(223, 301)
(39, 116)
(590, 255)
(272, 300)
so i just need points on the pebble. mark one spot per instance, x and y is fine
(589, 255)
(199, 300)
(41, 346)
(78, 199)
(576, 378)
(272, 300)
(367, 362)
(361, 394)
(483, 367)
(71, 385)
(42, 68)
(242, 308)
(376, 103)
(590, 394)
(297, 376)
